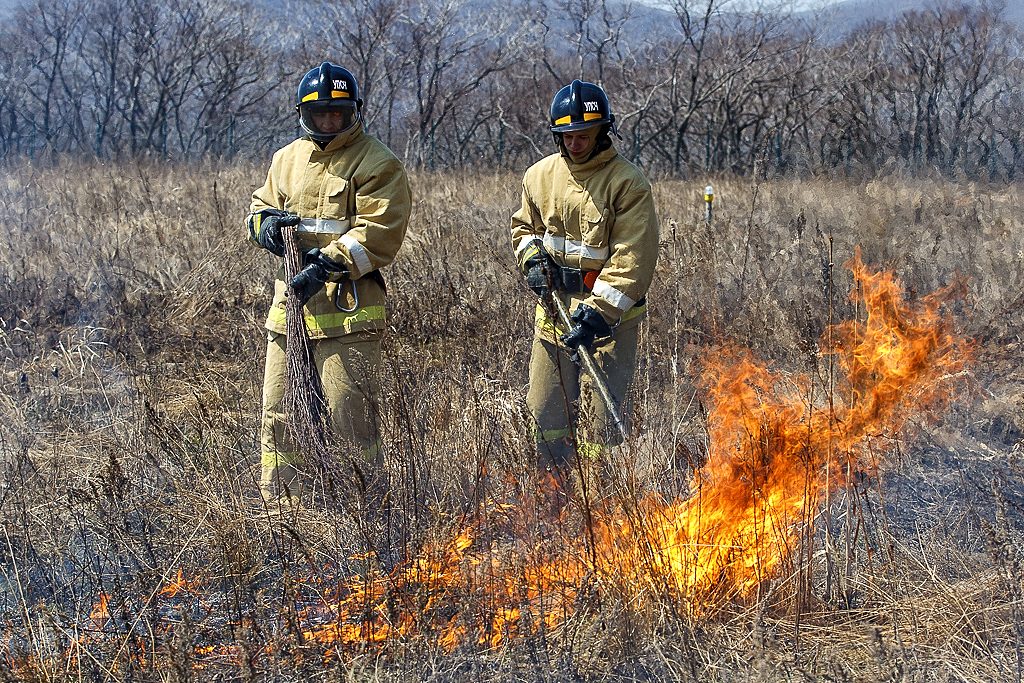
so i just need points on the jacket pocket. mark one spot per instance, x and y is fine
(596, 224)
(335, 204)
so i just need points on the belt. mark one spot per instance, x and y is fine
(326, 226)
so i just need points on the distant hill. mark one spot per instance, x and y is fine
(837, 19)
(842, 17)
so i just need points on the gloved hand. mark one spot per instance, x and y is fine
(265, 227)
(543, 275)
(319, 269)
(590, 325)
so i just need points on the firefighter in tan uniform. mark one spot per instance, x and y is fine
(587, 233)
(348, 197)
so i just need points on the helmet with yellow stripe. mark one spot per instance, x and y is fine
(328, 102)
(580, 105)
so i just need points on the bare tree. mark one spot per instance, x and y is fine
(104, 57)
(15, 71)
(50, 31)
(980, 45)
(368, 38)
(707, 57)
(1008, 123)
(452, 51)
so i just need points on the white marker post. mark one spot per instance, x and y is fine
(709, 197)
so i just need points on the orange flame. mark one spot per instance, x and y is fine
(99, 613)
(774, 452)
(180, 583)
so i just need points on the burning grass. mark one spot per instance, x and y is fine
(822, 485)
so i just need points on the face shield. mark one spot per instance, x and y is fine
(325, 119)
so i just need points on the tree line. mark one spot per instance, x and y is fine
(700, 86)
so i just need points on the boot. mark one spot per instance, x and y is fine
(554, 465)
(280, 486)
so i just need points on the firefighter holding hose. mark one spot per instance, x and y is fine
(587, 234)
(347, 197)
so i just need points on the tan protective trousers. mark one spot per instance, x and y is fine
(349, 368)
(556, 386)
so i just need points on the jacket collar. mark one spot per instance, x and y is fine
(343, 139)
(595, 163)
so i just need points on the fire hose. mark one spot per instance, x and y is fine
(587, 361)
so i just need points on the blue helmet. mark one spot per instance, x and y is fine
(328, 88)
(580, 105)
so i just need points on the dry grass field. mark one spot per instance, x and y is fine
(135, 546)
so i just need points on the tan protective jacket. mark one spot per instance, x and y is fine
(597, 215)
(359, 191)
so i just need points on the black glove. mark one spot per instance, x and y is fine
(318, 270)
(589, 326)
(542, 274)
(265, 227)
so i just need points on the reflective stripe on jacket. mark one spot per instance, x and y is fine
(598, 215)
(358, 182)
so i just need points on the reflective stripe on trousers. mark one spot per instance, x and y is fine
(327, 321)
